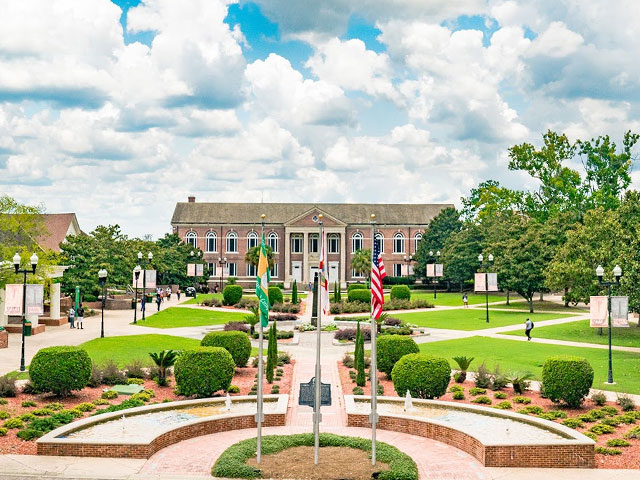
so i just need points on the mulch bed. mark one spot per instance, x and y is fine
(630, 457)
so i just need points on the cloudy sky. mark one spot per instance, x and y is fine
(118, 109)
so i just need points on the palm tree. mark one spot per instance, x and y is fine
(253, 318)
(361, 262)
(252, 257)
(164, 360)
(463, 364)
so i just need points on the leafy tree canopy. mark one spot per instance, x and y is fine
(446, 223)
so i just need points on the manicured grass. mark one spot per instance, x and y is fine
(472, 319)
(543, 306)
(451, 299)
(519, 356)
(175, 317)
(581, 332)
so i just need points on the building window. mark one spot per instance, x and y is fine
(355, 274)
(212, 269)
(233, 270)
(356, 242)
(274, 271)
(416, 241)
(252, 240)
(232, 242)
(397, 269)
(296, 243)
(272, 240)
(212, 242)
(380, 241)
(398, 243)
(313, 243)
(192, 239)
(251, 270)
(334, 243)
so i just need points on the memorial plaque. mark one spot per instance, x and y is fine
(308, 394)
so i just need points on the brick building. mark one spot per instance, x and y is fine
(228, 230)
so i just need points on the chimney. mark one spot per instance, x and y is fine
(192, 199)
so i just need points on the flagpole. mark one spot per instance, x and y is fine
(373, 370)
(317, 416)
(260, 414)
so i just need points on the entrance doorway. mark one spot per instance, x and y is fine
(296, 273)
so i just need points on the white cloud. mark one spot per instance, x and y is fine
(556, 41)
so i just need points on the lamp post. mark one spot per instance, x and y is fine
(144, 281)
(486, 266)
(102, 278)
(617, 272)
(32, 271)
(223, 263)
(435, 261)
(408, 261)
(136, 272)
(196, 256)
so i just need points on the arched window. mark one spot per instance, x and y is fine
(212, 242)
(296, 243)
(334, 243)
(380, 241)
(356, 242)
(398, 243)
(192, 239)
(252, 240)
(232, 242)
(272, 241)
(416, 241)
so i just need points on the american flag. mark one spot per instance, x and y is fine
(377, 274)
(324, 276)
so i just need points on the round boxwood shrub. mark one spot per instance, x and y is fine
(60, 370)
(235, 342)
(275, 295)
(425, 376)
(356, 286)
(392, 348)
(567, 379)
(400, 292)
(359, 295)
(231, 294)
(204, 371)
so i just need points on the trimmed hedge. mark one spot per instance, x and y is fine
(425, 376)
(60, 370)
(204, 371)
(359, 295)
(232, 294)
(235, 342)
(275, 295)
(391, 348)
(400, 292)
(232, 462)
(567, 379)
(356, 286)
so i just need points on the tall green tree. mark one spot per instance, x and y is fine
(252, 256)
(460, 253)
(443, 225)
(488, 199)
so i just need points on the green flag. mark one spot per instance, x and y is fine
(262, 284)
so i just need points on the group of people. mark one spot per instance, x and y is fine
(76, 317)
(163, 295)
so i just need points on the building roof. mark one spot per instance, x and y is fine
(192, 213)
(57, 226)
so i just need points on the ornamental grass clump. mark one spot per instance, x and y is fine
(391, 348)
(425, 376)
(567, 379)
(204, 371)
(60, 370)
(463, 365)
(236, 343)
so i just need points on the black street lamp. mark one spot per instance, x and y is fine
(223, 263)
(32, 271)
(617, 272)
(435, 261)
(144, 281)
(486, 266)
(136, 272)
(102, 278)
(408, 261)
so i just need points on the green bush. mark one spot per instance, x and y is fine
(275, 295)
(535, 409)
(232, 294)
(359, 295)
(109, 395)
(42, 412)
(4, 415)
(611, 411)
(55, 406)
(400, 292)
(500, 395)
(626, 402)
(617, 442)
(356, 286)
(597, 414)
(522, 400)
(599, 398)
(13, 423)
(135, 381)
(607, 451)
(3, 401)
(392, 348)
(3, 432)
(60, 370)
(592, 436)
(29, 434)
(477, 391)
(506, 405)
(27, 417)
(28, 403)
(483, 399)
(572, 422)
(600, 429)
(204, 371)
(456, 388)
(101, 401)
(425, 376)
(235, 342)
(614, 422)
(633, 433)
(357, 391)
(567, 379)
(458, 395)
(233, 389)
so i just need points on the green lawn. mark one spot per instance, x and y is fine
(544, 306)
(175, 317)
(451, 299)
(472, 319)
(581, 332)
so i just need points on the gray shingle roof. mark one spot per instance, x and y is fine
(278, 213)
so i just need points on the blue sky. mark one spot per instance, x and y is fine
(118, 109)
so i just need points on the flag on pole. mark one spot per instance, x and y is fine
(377, 274)
(262, 284)
(324, 276)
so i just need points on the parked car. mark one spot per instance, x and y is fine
(190, 292)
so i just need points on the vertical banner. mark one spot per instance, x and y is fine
(77, 298)
(439, 270)
(431, 270)
(151, 279)
(191, 270)
(620, 311)
(492, 280)
(598, 311)
(199, 269)
(13, 300)
(34, 302)
(479, 284)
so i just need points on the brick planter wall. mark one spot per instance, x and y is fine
(4, 339)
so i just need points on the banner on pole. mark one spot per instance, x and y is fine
(479, 282)
(492, 280)
(620, 311)
(598, 311)
(13, 300)
(431, 270)
(199, 269)
(151, 279)
(34, 302)
(191, 270)
(439, 270)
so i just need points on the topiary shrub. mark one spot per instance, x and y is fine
(232, 294)
(567, 379)
(392, 348)
(425, 376)
(356, 286)
(60, 370)
(275, 295)
(359, 295)
(204, 371)
(400, 292)
(236, 343)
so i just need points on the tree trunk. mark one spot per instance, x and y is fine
(508, 297)
(461, 287)
(541, 296)
(531, 304)
(566, 297)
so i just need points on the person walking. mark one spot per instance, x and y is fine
(465, 300)
(178, 293)
(158, 300)
(80, 316)
(168, 294)
(528, 326)
(72, 316)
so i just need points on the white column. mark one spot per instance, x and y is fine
(305, 258)
(287, 258)
(3, 318)
(343, 258)
(55, 301)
